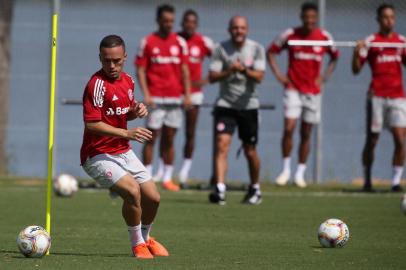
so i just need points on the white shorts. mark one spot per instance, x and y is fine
(168, 115)
(305, 106)
(388, 112)
(197, 98)
(107, 169)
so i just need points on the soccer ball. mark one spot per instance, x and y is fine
(403, 204)
(33, 241)
(65, 185)
(333, 233)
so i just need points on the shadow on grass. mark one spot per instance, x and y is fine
(110, 255)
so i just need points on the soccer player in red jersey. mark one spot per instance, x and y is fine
(386, 102)
(106, 155)
(200, 47)
(163, 76)
(303, 84)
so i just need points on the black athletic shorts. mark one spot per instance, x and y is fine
(226, 120)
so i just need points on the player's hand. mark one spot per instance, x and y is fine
(361, 44)
(283, 79)
(187, 102)
(320, 81)
(238, 66)
(139, 110)
(148, 101)
(139, 134)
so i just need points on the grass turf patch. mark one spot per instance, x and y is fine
(281, 233)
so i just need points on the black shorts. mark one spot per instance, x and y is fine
(226, 120)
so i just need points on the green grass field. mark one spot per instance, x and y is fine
(88, 232)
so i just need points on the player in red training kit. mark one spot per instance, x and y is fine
(386, 102)
(303, 84)
(163, 76)
(200, 47)
(106, 155)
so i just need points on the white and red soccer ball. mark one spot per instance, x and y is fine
(333, 233)
(33, 241)
(65, 185)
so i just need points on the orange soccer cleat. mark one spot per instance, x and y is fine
(142, 251)
(156, 248)
(171, 186)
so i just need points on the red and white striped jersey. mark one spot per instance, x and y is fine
(162, 58)
(305, 62)
(108, 101)
(386, 65)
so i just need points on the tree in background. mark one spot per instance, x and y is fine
(6, 10)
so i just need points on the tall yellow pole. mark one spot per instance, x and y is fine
(52, 90)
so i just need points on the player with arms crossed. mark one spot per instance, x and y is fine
(239, 65)
(303, 84)
(106, 155)
(163, 76)
(386, 102)
(199, 47)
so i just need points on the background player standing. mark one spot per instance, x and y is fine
(386, 102)
(199, 47)
(239, 65)
(106, 155)
(163, 76)
(303, 83)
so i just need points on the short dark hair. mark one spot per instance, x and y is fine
(309, 6)
(382, 7)
(111, 41)
(190, 12)
(164, 8)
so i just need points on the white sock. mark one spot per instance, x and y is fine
(257, 188)
(145, 229)
(221, 187)
(184, 172)
(149, 168)
(301, 168)
(286, 164)
(168, 170)
(397, 175)
(135, 235)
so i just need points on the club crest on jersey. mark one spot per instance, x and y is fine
(130, 94)
(174, 50)
(156, 50)
(195, 51)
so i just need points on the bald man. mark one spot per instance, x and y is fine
(238, 64)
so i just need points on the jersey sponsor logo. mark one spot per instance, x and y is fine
(307, 56)
(130, 94)
(115, 98)
(98, 93)
(248, 62)
(165, 60)
(174, 50)
(194, 60)
(117, 111)
(386, 58)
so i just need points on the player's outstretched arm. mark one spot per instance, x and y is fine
(139, 134)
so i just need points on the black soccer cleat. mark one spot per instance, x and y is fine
(252, 197)
(397, 188)
(217, 197)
